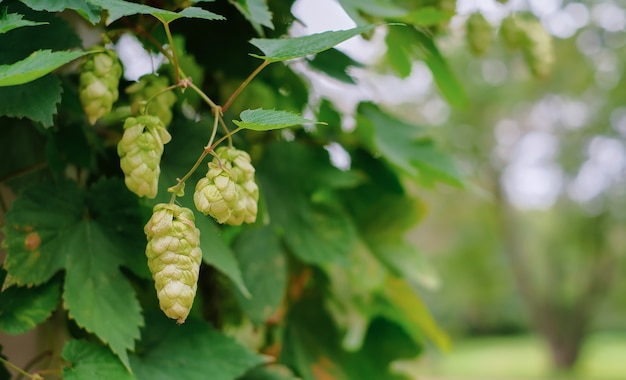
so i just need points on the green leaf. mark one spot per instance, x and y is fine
(35, 66)
(404, 44)
(89, 361)
(54, 227)
(402, 305)
(399, 143)
(255, 11)
(13, 21)
(88, 11)
(335, 64)
(21, 308)
(290, 174)
(36, 100)
(288, 48)
(377, 8)
(427, 16)
(312, 347)
(265, 120)
(195, 12)
(119, 8)
(56, 35)
(190, 351)
(216, 253)
(264, 269)
(270, 372)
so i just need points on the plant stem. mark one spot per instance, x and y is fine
(207, 150)
(172, 87)
(174, 56)
(203, 96)
(226, 131)
(226, 136)
(16, 368)
(244, 84)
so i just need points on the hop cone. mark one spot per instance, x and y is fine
(228, 192)
(140, 151)
(537, 48)
(479, 34)
(99, 78)
(512, 32)
(174, 258)
(160, 106)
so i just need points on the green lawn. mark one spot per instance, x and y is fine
(525, 358)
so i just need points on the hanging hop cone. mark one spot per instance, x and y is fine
(140, 151)
(98, 82)
(512, 32)
(537, 48)
(479, 33)
(145, 89)
(174, 258)
(228, 191)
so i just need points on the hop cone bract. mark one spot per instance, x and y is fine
(479, 34)
(140, 151)
(228, 191)
(174, 258)
(145, 89)
(99, 79)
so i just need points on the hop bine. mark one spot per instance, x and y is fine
(228, 191)
(174, 258)
(98, 82)
(140, 151)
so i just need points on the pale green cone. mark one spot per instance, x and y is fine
(99, 79)
(140, 151)
(174, 258)
(479, 34)
(145, 89)
(537, 48)
(512, 32)
(228, 192)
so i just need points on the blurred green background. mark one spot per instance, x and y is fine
(530, 258)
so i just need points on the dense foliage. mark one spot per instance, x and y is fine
(310, 275)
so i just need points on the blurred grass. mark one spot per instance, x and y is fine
(525, 358)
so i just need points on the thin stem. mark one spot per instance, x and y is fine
(174, 56)
(16, 368)
(195, 166)
(226, 136)
(226, 131)
(203, 96)
(189, 173)
(244, 84)
(172, 87)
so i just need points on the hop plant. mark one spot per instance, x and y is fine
(140, 151)
(512, 32)
(479, 34)
(537, 48)
(99, 79)
(228, 192)
(174, 258)
(145, 89)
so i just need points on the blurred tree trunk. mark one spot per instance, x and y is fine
(564, 324)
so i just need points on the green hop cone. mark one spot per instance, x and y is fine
(479, 34)
(140, 151)
(145, 89)
(228, 191)
(537, 48)
(99, 79)
(512, 32)
(174, 258)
